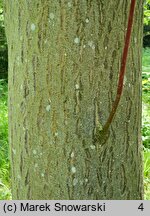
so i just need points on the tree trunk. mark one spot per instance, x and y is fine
(64, 60)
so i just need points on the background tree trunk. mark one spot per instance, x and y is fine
(64, 60)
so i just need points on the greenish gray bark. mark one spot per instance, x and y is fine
(64, 60)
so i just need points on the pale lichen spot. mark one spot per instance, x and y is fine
(14, 151)
(48, 108)
(124, 81)
(72, 155)
(75, 181)
(32, 26)
(135, 40)
(18, 176)
(36, 165)
(42, 174)
(21, 86)
(92, 147)
(66, 122)
(105, 47)
(77, 40)
(34, 152)
(51, 16)
(87, 20)
(73, 169)
(56, 134)
(84, 46)
(77, 86)
(91, 44)
(69, 4)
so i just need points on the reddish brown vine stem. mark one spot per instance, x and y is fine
(122, 68)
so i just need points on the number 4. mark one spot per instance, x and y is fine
(141, 207)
